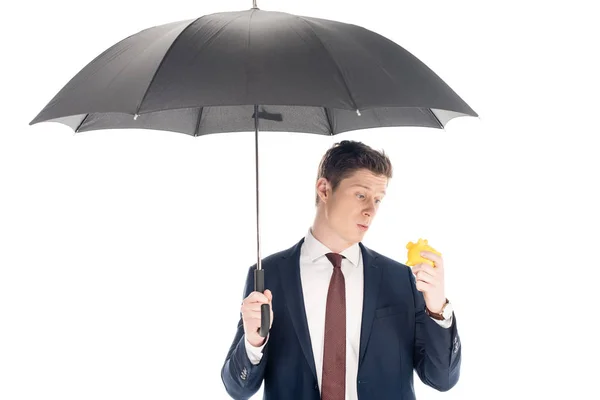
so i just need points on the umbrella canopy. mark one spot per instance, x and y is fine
(238, 71)
(205, 75)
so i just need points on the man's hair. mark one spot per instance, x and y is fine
(348, 156)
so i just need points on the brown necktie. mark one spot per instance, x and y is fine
(334, 351)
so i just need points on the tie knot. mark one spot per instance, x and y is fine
(336, 259)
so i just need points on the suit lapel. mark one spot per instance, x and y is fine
(292, 288)
(372, 279)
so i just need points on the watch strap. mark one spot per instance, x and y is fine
(439, 316)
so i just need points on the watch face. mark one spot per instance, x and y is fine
(447, 313)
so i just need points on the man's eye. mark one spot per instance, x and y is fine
(361, 195)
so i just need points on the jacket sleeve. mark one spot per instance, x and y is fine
(241, 377)
(437, 350)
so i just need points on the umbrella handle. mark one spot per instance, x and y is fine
(265, 311)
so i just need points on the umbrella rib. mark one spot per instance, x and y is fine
(81, 123)
(436, 118)
(332, 59)
(197, 129)
(329, 120)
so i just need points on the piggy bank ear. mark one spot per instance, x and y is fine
(410, 245)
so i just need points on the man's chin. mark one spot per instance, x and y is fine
(358, 237)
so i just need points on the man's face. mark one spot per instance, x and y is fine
(351, 208)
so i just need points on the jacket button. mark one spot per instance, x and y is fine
(316, 387)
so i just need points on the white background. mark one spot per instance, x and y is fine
(123, 254)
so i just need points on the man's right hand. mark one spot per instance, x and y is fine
(251, 315)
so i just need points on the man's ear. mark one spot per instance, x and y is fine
(323, 189)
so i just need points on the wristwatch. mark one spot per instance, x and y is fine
(445, 314)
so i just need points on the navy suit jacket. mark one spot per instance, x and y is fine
(397, 337)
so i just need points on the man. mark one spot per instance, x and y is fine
(347, 323)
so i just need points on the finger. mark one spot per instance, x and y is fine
(253, 319)
(269, 295)
(416, 268)
(437, 260)
(251, 315)
(424, 286)
(425, 267)
(251, 307)
(256, 297)
(428, 269)
(423, 276)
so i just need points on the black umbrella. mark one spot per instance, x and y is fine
(230, 71)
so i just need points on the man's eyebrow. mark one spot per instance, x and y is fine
(366, 187)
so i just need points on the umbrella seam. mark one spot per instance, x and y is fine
(248, 52)
(375, 59)
(377, 116)
(332, 59)
(171, 47)
(137, 109)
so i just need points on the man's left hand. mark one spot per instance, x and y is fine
(430, 281)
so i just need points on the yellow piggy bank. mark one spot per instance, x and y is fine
(414, 252)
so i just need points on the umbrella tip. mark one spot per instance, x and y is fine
(357, 112)
(135, 117)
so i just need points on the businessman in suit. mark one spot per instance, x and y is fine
(347, 323)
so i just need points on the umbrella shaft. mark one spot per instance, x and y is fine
(258, 263)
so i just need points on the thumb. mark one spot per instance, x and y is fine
(269, 295)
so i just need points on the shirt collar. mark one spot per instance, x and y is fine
(315, 249)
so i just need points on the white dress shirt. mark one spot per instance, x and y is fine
(315, 274)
